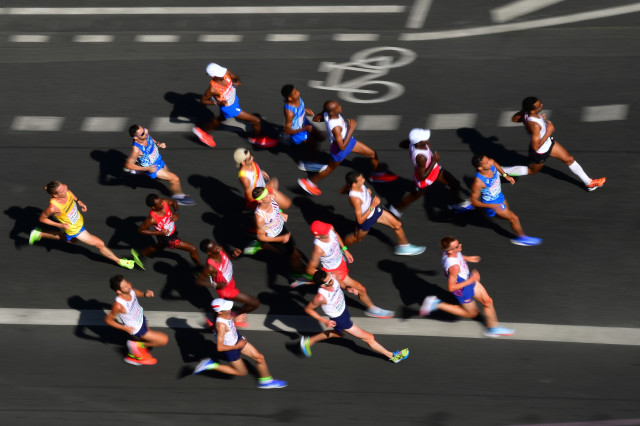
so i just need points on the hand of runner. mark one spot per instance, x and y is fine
(285, 238)
(161, 145)
(475, 275)
(352, 123)
(349, 256)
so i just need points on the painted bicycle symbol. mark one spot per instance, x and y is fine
(372, 64)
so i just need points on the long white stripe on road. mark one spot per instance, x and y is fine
(521, 26)
(29, 38)
(605, 113)
(519, 8)
(305, 324)
(237, 10)
(220, 38)
(451, 121)
(37, 123)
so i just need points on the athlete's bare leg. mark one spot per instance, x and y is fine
(369, 339)
(360, 289)
(172, 178)
(364, 150)
(154, 338)
(481, 295)
(512, 218)
(96, 242)
(390, 220)
(249, 302)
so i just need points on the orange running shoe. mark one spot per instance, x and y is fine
(204, 137)
(309, 186)
(596, 183)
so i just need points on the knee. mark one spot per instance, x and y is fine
(487, 302)
(164, 339)
(259, 358)
(569, 160)
(98, 243)
(368, 338)
(514, 218)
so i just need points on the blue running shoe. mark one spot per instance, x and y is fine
(499, 331)
(400, 355)
(409, 250)
(376, 312)
(184, 200)
(527, 241)
(429, 305)
(272, 384)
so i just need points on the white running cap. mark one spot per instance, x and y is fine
(419, 135)
(215, 70)
(239, 155)
(222, 305)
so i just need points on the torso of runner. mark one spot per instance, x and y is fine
(226, 91)
(164, 222)
(69, 213)
(332, 257)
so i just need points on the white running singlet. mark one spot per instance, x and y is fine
(231, 336)
(133, 317)
(365, 196)
(448, 262)
(273, 222)
(332, 254)
(335, 305)
(543, 129)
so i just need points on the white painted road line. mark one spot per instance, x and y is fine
(451, 121)
(157, 38)
(605, 113)
(378, 122)
(521, 26)
(163, 124)
(287, 37)
(418, 14)
(302, 324)
(519, 8)
(93, 38)
(37, 124)
(505, 118)
(29, 38)
(104, 124)
(239, 10)
(220, 38)
(356, 37)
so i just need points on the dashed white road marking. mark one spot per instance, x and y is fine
(237, 10)
(355, 37)
(220, 38)
(519, 8)
(287, 37)
(605, 113)
(93, 38)
(378, 122)
(303, 323)
(418, 14)
(103, 124)
(37, 123)
(163, 124)
(157, 38)
(29, 38)
(505, 118)
(451, 121)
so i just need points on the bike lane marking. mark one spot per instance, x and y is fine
(419, 327)
(521, 26)
(418, 14)
(519, 8)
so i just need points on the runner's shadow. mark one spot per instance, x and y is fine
(91, 325)
(111, 172)
(126, 234)
(413, 289)
(291, 302)
(25, 219)
(180, 282)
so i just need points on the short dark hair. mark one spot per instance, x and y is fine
(257, 191)
(151, 199)
(286, 90)
(320, 277)
(477, 159)
(52, 187)
(133, 129)
(445, 242)
(527, 103)
(204, 245)
(115, 282)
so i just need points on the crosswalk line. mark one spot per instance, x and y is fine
(37, 123)
(103, 124)
(378, 122)
(605, 113)
(451, 121)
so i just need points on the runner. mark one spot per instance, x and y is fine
(222, 92)
(426, 172)
(231, 345)
(270, 220)
(328, 252)
(163, 220)
(368, 211)
(146, 157)
(466, 287)
(66, 207)
(300, 130)
(132, 320)
(342, 143)
(251, 176)
(331, 299)
(218, 273)
(543, 145)
(486, 193)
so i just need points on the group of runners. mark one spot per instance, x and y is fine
(327, 265)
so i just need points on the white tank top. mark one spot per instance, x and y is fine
(273, 222)
(331, 123)
(133, 317)
(543, 129)
(448, 262)
(332, 254)
(365, 196)
(231, 336)
(417, 151)
(335, 305)
(255, 176)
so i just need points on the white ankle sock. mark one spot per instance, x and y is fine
(516, 170)
(577, 169)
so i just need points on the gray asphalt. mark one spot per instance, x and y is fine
(582, 275)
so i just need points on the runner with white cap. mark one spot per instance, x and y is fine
(426, 172)
(222, 92)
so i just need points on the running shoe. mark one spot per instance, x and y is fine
(527, 241)
(409, 250)
(263, 141)
(596, 183)
(140, 361)
(397, 213)
(205, 364)
(134, 350)
(499, 331)
(136, 259)
(382, 177)
(297, 283)
(184, 200)
(429, 305)
(399, 355)
(272, 384)
(131, 172)
(461, 207)
(240, 321)
(376, 312)
(309, 186)
(126, 263)
(35, 235)
(310, 166)
(204, 137)
(305, 347)
(252, 248)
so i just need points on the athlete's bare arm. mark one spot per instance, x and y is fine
(110, 318)
(311, 307)
(508, 178)
(131, 161)
(452, 283)
(356, 203)
(221, 329)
